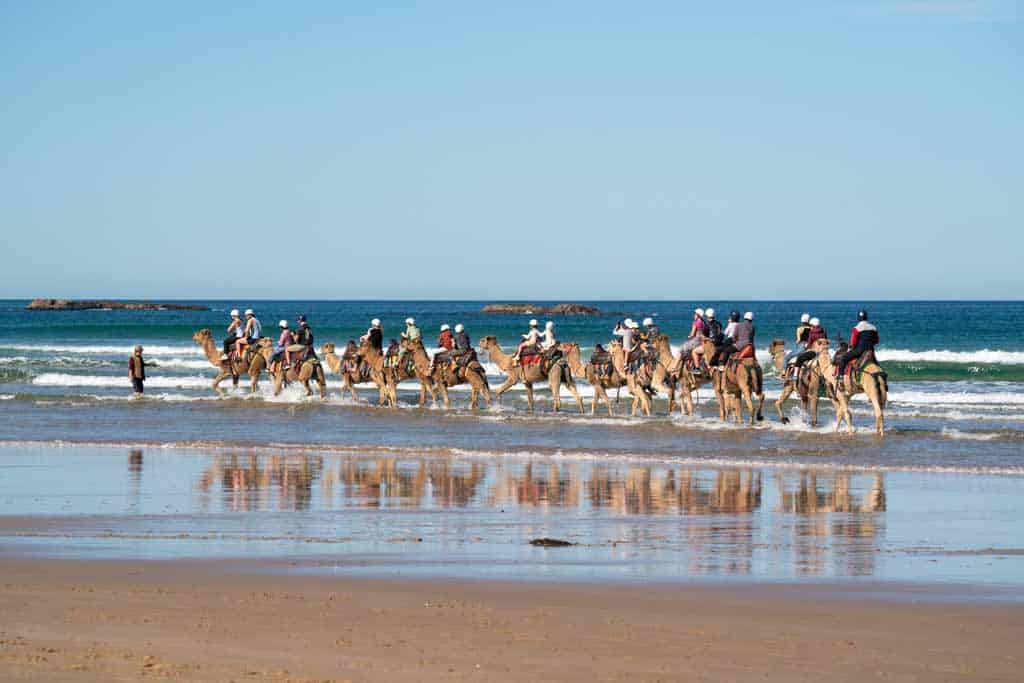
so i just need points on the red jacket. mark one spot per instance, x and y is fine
(445, 341)
(815, 334)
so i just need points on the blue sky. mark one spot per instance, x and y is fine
(850, 150)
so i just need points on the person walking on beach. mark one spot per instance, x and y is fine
(137, 370)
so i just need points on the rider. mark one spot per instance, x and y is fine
(283, 342)
(549, 342)
(651, 331)
(531, 338)
(392, 354)
(694, 344)
(802, 329)
(726, 347)
(375, 335)
(304, 336)
(863, 338)
(743, 333)
(712, 327)
(411, 334)
(236, 331)
(463, 344)
(447, 343)
(814, 332)
(251, 333)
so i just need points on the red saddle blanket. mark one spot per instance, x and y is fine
(530, 359)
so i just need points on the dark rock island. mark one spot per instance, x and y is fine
(558, 309)
(89, 304)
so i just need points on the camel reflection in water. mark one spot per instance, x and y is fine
(830, 507)
(817, 521)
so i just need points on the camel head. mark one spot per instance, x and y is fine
(326, 348)
(777, 350)
(571, 351)
(489, 342)
(202, 336)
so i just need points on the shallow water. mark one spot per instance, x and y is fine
(415, 512)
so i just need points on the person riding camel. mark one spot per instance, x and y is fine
(726, 347)
(392, 354)
(530, 339)
(284, 340)
(694, 344)
(447, 343)
(250, 334)
(236, 331)
(375, 335)
(814, 332)
(463, 346)
(304, 336)
(549, 342)
(802, 330)
(743, 336)
(411, 334)
(863, 338)
(625, 329)
(651, 331)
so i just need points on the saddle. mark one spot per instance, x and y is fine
(391, 357)
(739, 357)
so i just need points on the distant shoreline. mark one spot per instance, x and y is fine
(104, 304)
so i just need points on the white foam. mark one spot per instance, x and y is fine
(101, 349)
(60, 379)
(951, 433)
(990, 356)
(6, 397)
(957, 398)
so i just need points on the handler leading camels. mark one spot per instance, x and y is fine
(234, 366)
(531, 374)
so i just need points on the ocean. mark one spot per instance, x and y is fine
(956, 373)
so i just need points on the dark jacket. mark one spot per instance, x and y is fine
(462, 342)
(377, 338)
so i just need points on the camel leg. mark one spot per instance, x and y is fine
(444, 394)
(509, 383)
(321, 379)
(787, 389)
(529, 394)
(876, 404)
(571, 386)
(555, 384)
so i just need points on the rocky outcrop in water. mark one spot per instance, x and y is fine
(93, 304)
(558, 309)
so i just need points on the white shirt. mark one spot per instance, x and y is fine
(550, 341)
(730, 329)
(531, 336)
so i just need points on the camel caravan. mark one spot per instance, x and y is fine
(639, 359)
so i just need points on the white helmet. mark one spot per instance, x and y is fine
(699, 311)
(234, 312)
(533, 322)
(249, 311)
(283, 324)
(459, 327)
(375, 323)
(648, 322)
(628, 322)
(445, 327)
(748, 316)
(410, 321)
(549, 325)
(634, 324)
(710, 313)
(805, 317)
(815, 322)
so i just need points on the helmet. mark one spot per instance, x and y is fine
(748, 315)
(710, 313)
(634, 324)
(410, 321)
(734, 316)
(445, 327)
(699, 311)
(805, 317)
(375, 323)
(302, 319)
(549, 325)
(815, 322)
(533, 322)
(648, 322)
(862, 314)
(283, 324)
(459, 328)
(628, 322)
(234, 312)
(248, 311)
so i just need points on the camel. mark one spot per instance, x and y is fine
(233, 367)
(867, 377)
(443, 377)
(671, 372)
(403, 372)
(806, 384)
(737, 380)
(641, 398)
(301, 371)
(531, 374)
(353, 376)
(589, 371)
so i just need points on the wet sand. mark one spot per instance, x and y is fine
(216, 620)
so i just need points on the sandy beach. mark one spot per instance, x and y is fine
(103, 620)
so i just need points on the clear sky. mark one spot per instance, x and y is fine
(521, 150)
